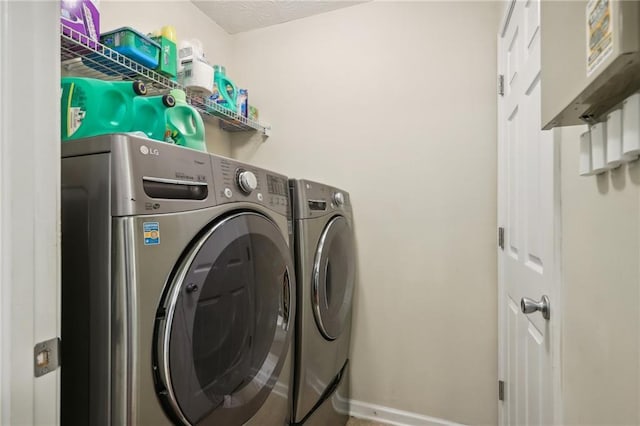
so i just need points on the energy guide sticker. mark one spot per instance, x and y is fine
(151, 233)
(599, 33)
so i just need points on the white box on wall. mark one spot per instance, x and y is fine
(614, 139)
(578, 77)
(599, 148)
(631, 126)
(585, 154)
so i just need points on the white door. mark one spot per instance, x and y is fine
(526, 190)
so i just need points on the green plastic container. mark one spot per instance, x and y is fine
(226, 89)
(168, 64)
(93, 107)
(150, 115)
(185, 124)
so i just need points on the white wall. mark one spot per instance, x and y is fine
(190, 22)
(396, 103)
(601, 279)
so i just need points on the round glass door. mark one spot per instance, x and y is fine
(333, 278)
(224, 333)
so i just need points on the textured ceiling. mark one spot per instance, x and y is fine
(238, 16)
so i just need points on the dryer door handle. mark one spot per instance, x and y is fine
(286, 295)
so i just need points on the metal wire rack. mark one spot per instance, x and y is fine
(230, 121)
(81, 56)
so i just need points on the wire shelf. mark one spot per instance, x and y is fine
(231, 121)
(81, 56)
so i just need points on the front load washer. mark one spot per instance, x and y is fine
(178, 293)
(325, 268)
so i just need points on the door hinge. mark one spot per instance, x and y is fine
(501, 85)
(501, 390)
(46, 356)
(501, 238)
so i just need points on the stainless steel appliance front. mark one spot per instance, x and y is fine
(177, 307)
(326, 269)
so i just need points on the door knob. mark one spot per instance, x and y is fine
(529, 306)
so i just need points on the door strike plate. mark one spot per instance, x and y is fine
(46, 356)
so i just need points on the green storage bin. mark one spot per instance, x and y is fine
(134, 45)
(168, 56)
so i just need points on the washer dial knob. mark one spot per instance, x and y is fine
(338, 198)
(247, 181)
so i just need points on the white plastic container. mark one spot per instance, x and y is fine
(196, 76)
(585, 154)
(614, 139)
(631, 126)
(599, 148)
(194, 72)
(189, 50)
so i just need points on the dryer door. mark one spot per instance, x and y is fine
(223, 329)
(333, 278)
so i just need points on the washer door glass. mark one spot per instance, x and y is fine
(333, 278)
(223, 328)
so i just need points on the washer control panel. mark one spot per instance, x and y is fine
(236, 181)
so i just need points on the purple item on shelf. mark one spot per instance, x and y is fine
(82, 18)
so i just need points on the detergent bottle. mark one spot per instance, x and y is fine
(225, 92)
(184, 124)
(150, 115)
(92, 107)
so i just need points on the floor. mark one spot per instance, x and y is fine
(359, 422)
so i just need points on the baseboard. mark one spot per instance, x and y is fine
(392, 416)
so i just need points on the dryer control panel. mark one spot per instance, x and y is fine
(313, 199)
(236, 181)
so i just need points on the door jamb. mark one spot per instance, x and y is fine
(29, 208)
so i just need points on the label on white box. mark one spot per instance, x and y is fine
(599, 33)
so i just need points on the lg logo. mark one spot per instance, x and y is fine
(144, 150)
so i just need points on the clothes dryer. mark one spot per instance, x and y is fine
(178, 292)
(326, 268)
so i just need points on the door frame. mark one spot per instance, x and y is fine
(555, 294)
(29, 207)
